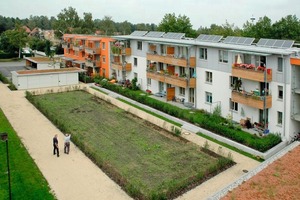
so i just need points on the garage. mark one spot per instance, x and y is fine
(32, 79)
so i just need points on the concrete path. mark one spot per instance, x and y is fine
(74, 176)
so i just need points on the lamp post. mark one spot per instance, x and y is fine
(4, 137)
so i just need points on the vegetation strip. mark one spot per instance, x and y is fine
(27, 182)
(147, 161)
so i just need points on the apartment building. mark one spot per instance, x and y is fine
(87, 52)
(250, 81)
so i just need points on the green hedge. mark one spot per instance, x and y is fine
(4, 55)
(201, 118)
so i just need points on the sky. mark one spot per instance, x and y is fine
(200, 12)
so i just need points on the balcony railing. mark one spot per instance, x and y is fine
(251, 99)
(251, 72)
(183, 82)
(92, 63)
(126, 51)
(171, 60)
(92, 50)
(78, 47)
(119, 66)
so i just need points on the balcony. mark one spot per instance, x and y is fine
(250, 72)
(171, 60)
(118, 66)
(65, 45)
(126, 51)
(92, 63)
(173, 80)
(78, 47)
(92, 50)
(251, 100)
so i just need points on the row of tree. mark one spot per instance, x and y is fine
(68, 21)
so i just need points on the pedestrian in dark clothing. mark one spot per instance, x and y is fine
(55, 146)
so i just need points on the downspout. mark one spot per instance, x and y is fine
(284, 100)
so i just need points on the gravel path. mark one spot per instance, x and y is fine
(74, 176)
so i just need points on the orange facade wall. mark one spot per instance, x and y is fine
(88, 50)
(295, 61)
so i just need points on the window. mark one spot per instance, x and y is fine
(182, 91)
(233, 81)
(135, 75)
(139, 45)
(223, 56)
(208, 97)
(182, 71)
(208, 77)
(103, 45)
(103, 59)
(233, 105)
(97, 44)
(203, 53)
(280, 92)
(280, 65)
(149, 81)
(279, 118)
(135, 62)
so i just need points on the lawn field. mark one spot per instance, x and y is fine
(27, 182)
(147, 161)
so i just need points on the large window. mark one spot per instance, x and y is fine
(135, 61)
(233, 81)
(234, 105)
(182, 91)
(208, 77)
(208, 97)
(149, 81)
(203, 53)
(139, 45)
(279, 118)
(182, 71)
(280, 65)
(280, 92)
(223, 56)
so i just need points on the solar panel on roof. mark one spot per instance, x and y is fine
(209, 38)
(238, 40)
(174, 35)
(156, 34)
(138, 33)
(283, 44)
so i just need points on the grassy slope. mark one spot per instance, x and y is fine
(27, 181)
(133, 149)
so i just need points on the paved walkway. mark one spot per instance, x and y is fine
(74, 176)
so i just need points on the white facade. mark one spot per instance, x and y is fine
(24, 80)
(268, 74)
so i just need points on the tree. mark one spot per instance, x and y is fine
(87, 24)
(124, 27)
(180, 24)
(17, 38)
(67, 21)
(287, 28)
(107, 25)
(262, 29)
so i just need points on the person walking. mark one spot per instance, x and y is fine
(67, 143)
(55, 146)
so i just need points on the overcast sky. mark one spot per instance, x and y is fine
(200, 12)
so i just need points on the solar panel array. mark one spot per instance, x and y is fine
(155, 34)
(238, 40)
(283, 44)
(138, 33)
(209, 38)
(171, 35)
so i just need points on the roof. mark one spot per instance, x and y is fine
(49, 71)
(39, 59)
(228, 46)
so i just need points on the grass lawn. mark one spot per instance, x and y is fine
(147, 161)
(27, 182)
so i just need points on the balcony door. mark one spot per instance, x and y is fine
(161, 86)
(192, 95)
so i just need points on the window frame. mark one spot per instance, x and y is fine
(279, 118)
(139, 45)
(233, 105)
(280, 64)
(208, 77)
(203, 53)
(280, 92)
(181, 91)
(135, 61)
(223, 56)
(208, 97)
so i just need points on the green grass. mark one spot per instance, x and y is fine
(27, 181)
(147, 161)
(231, 147)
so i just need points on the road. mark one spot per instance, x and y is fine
(7, 67)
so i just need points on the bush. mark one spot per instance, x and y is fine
(212, 122)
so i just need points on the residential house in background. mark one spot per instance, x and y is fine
(250, 82)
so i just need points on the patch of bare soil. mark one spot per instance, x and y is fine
(280, 180)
